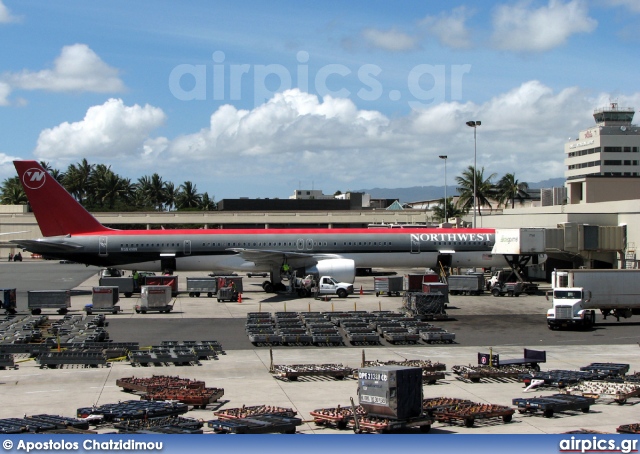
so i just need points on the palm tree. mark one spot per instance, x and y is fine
(453, 211)
(188, 196)
(510, 189)
(154, 190)
(484, 189)
(76, 179)
(172, 195)
(12, 193)
(207, 203)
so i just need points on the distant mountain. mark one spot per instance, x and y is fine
(416, 193)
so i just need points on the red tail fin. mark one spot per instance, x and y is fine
(56, 211)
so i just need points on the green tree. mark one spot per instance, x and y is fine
(188, 196)
(509, 189)
(76, 179)
(485, 191)
(207, 203)
(12, 193)
(154, 190)
(453, 211)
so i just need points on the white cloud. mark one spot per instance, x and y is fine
(77, 68)
(632, 5)
(5, 15)
(5, 91)
(391, 40)
(524, 28)
(297, 137)
(450, 28)
(107, 132)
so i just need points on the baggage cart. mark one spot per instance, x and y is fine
(466, 284)
(171, 281)
(103, 299)
(226, 281)
(549, 405)
(390, 285)
(154, 298)
(227, 294)
(437, 336)
(8, 296)
(198, 285)
(126, 285)
(48, 299)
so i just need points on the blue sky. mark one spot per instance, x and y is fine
(257, 99)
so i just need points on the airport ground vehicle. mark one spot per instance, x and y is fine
(466, 284)
(325, 285)
(579, 293)
(507, 288)
(504, 276)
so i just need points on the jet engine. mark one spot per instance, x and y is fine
(342, 270)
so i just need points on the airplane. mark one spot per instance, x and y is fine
(72, 233)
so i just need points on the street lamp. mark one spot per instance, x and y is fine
(474, 124)
(445, 185)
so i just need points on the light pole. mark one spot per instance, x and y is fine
(474, 124)
(445, 185)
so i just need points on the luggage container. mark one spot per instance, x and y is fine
(155, 298)
(392, 392)
(388, 284)
(466, 284)
(8, 300)
(126, 285)
(225, 281)
(48, 299)
(413, 282)
(198, 285)
(227, 294)
(103, 299)
(171, 281)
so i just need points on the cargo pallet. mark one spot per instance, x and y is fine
(261, 424)
(611, 369)
(255, 410)
(198, 397)
(619, 392)
(470, 412)
(6, 361)
(164, 425)
(60, 422)
(342, 418)
(161, 355)
(86, 359)
(556, 403)
(431, 372)
(294, 371)
(204, 349)
(561, 378)
(134, 409)
(476, 373)
(629, 429)
(437, 336)
(156, 382)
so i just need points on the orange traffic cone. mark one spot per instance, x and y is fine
(239, 298)
(361, 292)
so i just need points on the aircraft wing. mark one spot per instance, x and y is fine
(271, 258)
(39, 246)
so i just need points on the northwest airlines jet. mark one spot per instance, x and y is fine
(72, 233)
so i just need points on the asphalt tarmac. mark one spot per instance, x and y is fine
(480, 322)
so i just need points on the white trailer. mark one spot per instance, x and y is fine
(578, 294)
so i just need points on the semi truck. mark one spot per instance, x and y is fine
(579, 293)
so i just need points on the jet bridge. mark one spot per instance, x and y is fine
(520, 247)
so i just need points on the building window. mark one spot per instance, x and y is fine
(612, 149)
(627, 149)
(613, 162)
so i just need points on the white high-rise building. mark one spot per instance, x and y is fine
(611, 148)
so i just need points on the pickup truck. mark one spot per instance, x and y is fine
(326, 285)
